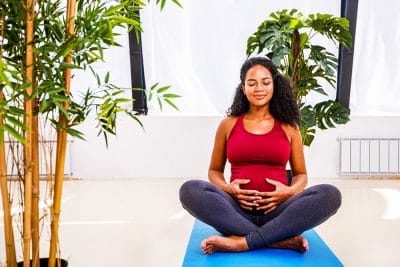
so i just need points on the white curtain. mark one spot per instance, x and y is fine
(376, 68)
(199, 49)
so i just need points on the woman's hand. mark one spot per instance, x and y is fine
(270, 200)
(246, 198)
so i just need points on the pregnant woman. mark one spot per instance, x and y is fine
(258, 207)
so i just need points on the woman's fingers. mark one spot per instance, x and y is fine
(246, 203)
(250, 198)
(245, 207)
(269, 210)
(248, 192)
(247, 198)
(267, 204)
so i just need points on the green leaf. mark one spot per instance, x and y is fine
(136, 119)
(123, 100)
(307, 117)
(171, 104)
(105, 138)
(329, 113)
(4, 78)
(65, 65)
(171, 96)
(177, 3)
(14, 133)
(162, 3)
(75, 133)
(307, 135)
(163, 89)
(153, 86)
(159, 103)
(126, 20)
(16, 111)
(98, 79)
(294, 23)
(16, 122)
(112, 10)
(303, 39)
(62, 109)
(107, 78)
(25, 86)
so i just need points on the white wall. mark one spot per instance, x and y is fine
(170, 146)
(180, 147)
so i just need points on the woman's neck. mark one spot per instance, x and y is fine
(258, 114)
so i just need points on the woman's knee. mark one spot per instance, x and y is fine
(189, 188)
(331, 195)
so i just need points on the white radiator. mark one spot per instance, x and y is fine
(369, 156)
(47, 154)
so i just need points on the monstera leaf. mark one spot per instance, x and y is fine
(330, 113)
(307, 124)
(323, 115)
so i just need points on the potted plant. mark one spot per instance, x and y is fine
(41, 43)
(287, 38)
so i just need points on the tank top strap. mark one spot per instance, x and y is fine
(277, 126)
(240, 120)
(238, 126)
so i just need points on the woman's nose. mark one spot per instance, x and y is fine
(259, 87)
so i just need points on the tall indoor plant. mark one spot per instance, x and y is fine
(41, 43)
(288, 38)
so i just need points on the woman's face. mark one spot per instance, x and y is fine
(258, 86)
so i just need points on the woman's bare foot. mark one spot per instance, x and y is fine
(296, 243)
(221, 243)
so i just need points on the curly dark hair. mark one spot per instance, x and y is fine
(283, 105)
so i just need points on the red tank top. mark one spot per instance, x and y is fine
(258, 156)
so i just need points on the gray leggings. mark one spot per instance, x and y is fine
(307, 209)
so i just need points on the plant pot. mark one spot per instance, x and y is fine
(44, 262)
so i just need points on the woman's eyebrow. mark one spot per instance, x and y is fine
(254, 80)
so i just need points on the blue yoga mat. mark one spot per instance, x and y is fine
(318, 254)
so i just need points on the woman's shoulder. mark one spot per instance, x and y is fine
(290, 130)
(289, 127)
(228, 121)
(226, 125)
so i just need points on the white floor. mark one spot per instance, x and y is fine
(140, 223)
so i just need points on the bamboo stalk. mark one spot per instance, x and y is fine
(27, 223)
(8, 229)
(35, 191)
(7, 218)
(11, 258)
(61, 142)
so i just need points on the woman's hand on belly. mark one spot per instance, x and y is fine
(270, 200)
(247, 199)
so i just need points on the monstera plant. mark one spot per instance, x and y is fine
(288, 39)
(42, 44)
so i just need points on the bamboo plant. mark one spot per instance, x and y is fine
(42, 42)
(288, 39)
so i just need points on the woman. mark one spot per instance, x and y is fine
(258, 208)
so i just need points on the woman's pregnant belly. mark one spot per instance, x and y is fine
(257, 173)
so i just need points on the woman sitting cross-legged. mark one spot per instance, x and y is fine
(258, 207)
